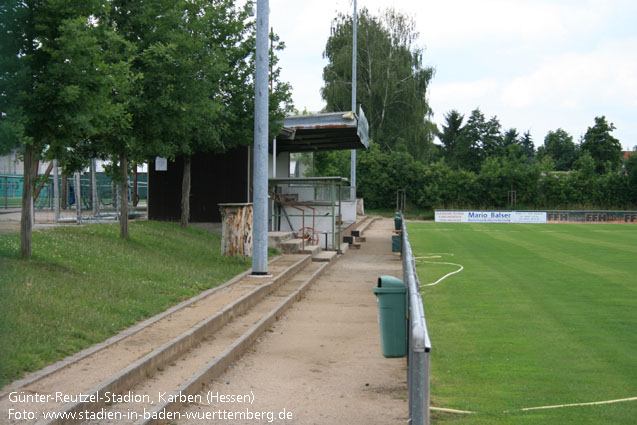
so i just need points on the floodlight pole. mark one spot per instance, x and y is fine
(353, 152)
(260, 177)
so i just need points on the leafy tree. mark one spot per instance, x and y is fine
(510, 137)
(391, 79)
(527, 145)
(605, 150)
(54, 83)
(197, 94)
(450, 134)
(470, 143)
(491, 138)
(630, 166)
(560, 147)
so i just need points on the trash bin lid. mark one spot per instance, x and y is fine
(394, 290)
(390, 282)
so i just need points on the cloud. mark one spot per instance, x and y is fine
(606, 76)
(460, 21)
(464, 91)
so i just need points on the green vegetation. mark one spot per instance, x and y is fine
(84, 284)
(541, 315)
(478, 161)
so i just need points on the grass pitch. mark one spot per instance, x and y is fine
(541, 315)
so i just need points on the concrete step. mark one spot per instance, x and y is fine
(291, 246)
(325, 256)
(276, 238)
(311, 249)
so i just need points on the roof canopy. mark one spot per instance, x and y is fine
(324, 132)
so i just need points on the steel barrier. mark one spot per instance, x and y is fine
(418, 354)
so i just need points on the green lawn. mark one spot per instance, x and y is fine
(541, 315)
(85, 284)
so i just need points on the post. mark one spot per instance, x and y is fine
(94, 200)
(260, 182)
(56, 190)
(78, 197)
(333, 189)
(353, 152)
(274, 158)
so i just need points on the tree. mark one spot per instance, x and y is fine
(527, 145)
(605, 150)
(391, 79)
(560, 147)
(53, 83)
(470, 149)
(450, 134)
(197, 94)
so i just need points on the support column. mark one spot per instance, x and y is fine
(352, 179)
(260, 183)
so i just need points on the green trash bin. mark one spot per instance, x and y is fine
(391, 297)
(397, 220)
(397, 243)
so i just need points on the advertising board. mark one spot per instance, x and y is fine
(534, 217)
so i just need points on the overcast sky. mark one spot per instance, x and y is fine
(537, 65)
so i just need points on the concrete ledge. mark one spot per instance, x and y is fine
(275, 238)
(291, 246)
(220, 363)
(139, 370)
(311, 249)
(48, 370)
(325, 256)
(367, 224)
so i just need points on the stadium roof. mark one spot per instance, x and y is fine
(324, 132)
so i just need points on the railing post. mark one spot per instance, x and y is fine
(333, 215)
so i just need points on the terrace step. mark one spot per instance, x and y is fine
(291, 246)
(325, 256)
(311, 249)
(276, 238)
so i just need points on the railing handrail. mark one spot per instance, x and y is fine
(419, 343)
(275, 198)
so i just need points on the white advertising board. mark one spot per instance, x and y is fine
(534, 217)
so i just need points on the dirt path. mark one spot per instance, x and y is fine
(322, 361)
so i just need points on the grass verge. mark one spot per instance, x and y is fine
(85, 284)
(541, 315)
(411, 213)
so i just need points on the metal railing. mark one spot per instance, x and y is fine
(105, 194)
(323, 193)
(297, 205)
(418, 354)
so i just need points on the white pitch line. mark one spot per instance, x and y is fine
(593, 403)
(421, 259)
(445, 410)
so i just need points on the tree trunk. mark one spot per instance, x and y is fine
(185, 193)
(47, 173)
(26, 218)
(123, 197)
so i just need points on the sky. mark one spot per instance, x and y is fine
(536, 65)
